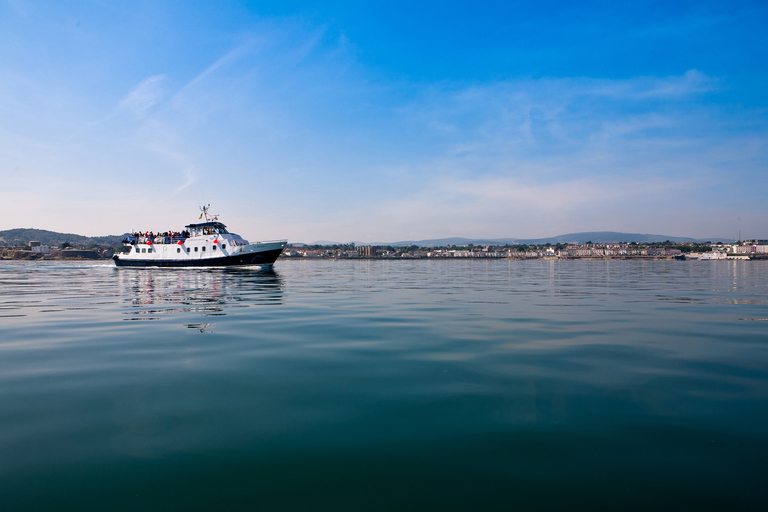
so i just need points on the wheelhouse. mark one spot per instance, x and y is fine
(207, 228)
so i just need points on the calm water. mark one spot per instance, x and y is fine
(385, 385)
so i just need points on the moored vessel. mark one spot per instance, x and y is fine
(204, 244)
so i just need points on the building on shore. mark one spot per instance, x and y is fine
(749, 248)
(37, 247)
(367, 251)
(752, 249)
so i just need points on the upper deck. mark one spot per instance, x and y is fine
(207, 228)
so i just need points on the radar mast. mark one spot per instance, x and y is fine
(208, 217)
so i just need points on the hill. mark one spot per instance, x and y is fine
(22, 236)
(570, 238)
(605, 237)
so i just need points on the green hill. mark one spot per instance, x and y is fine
(21, 237)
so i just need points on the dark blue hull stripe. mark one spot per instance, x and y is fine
(259, 258)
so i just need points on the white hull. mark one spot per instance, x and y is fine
(206, 244)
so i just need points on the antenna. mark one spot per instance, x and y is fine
(211, 218)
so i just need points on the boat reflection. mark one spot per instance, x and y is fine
(155, 293)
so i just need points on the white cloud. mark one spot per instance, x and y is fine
(691, 82)
(190, 179)
(144, 96)
(287, 116)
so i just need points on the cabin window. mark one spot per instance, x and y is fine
(223, 246)
(144, 249)
(195, 249)
(203, 249)
(178, 249)
(214, 248)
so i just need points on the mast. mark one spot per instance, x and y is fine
(211, 218)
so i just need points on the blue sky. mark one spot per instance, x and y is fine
(386, 121)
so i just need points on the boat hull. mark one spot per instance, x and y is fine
(267, 257)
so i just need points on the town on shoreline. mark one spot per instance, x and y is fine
(750, 249)
(668, 250)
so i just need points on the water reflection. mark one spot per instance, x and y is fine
(155, 293)
(489, 378)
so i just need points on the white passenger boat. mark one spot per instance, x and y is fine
(207, 244)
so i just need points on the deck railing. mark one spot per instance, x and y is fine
(133, 240)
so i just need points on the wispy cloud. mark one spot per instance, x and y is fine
(231, 56)
(560, 195)
(190, 179)
(493, 127)
(525, 157)
(640, 88)
(144, 96)
(507, 207)
(290, 108)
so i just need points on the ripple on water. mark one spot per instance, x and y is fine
(385, 384)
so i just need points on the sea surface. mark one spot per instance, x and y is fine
(385, 385)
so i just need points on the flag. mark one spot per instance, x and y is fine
(200, 217)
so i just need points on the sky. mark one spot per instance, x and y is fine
(385, 121)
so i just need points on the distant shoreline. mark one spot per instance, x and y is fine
(547, 258)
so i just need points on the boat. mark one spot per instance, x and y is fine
(204, 244)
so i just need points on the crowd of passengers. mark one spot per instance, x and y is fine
(167, 237)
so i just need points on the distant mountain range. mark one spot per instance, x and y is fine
(570, 238)
(22, 236)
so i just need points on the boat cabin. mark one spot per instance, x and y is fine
(207, 228)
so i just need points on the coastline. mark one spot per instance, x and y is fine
(43, 258)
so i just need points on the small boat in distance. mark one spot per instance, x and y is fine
(207, 244)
